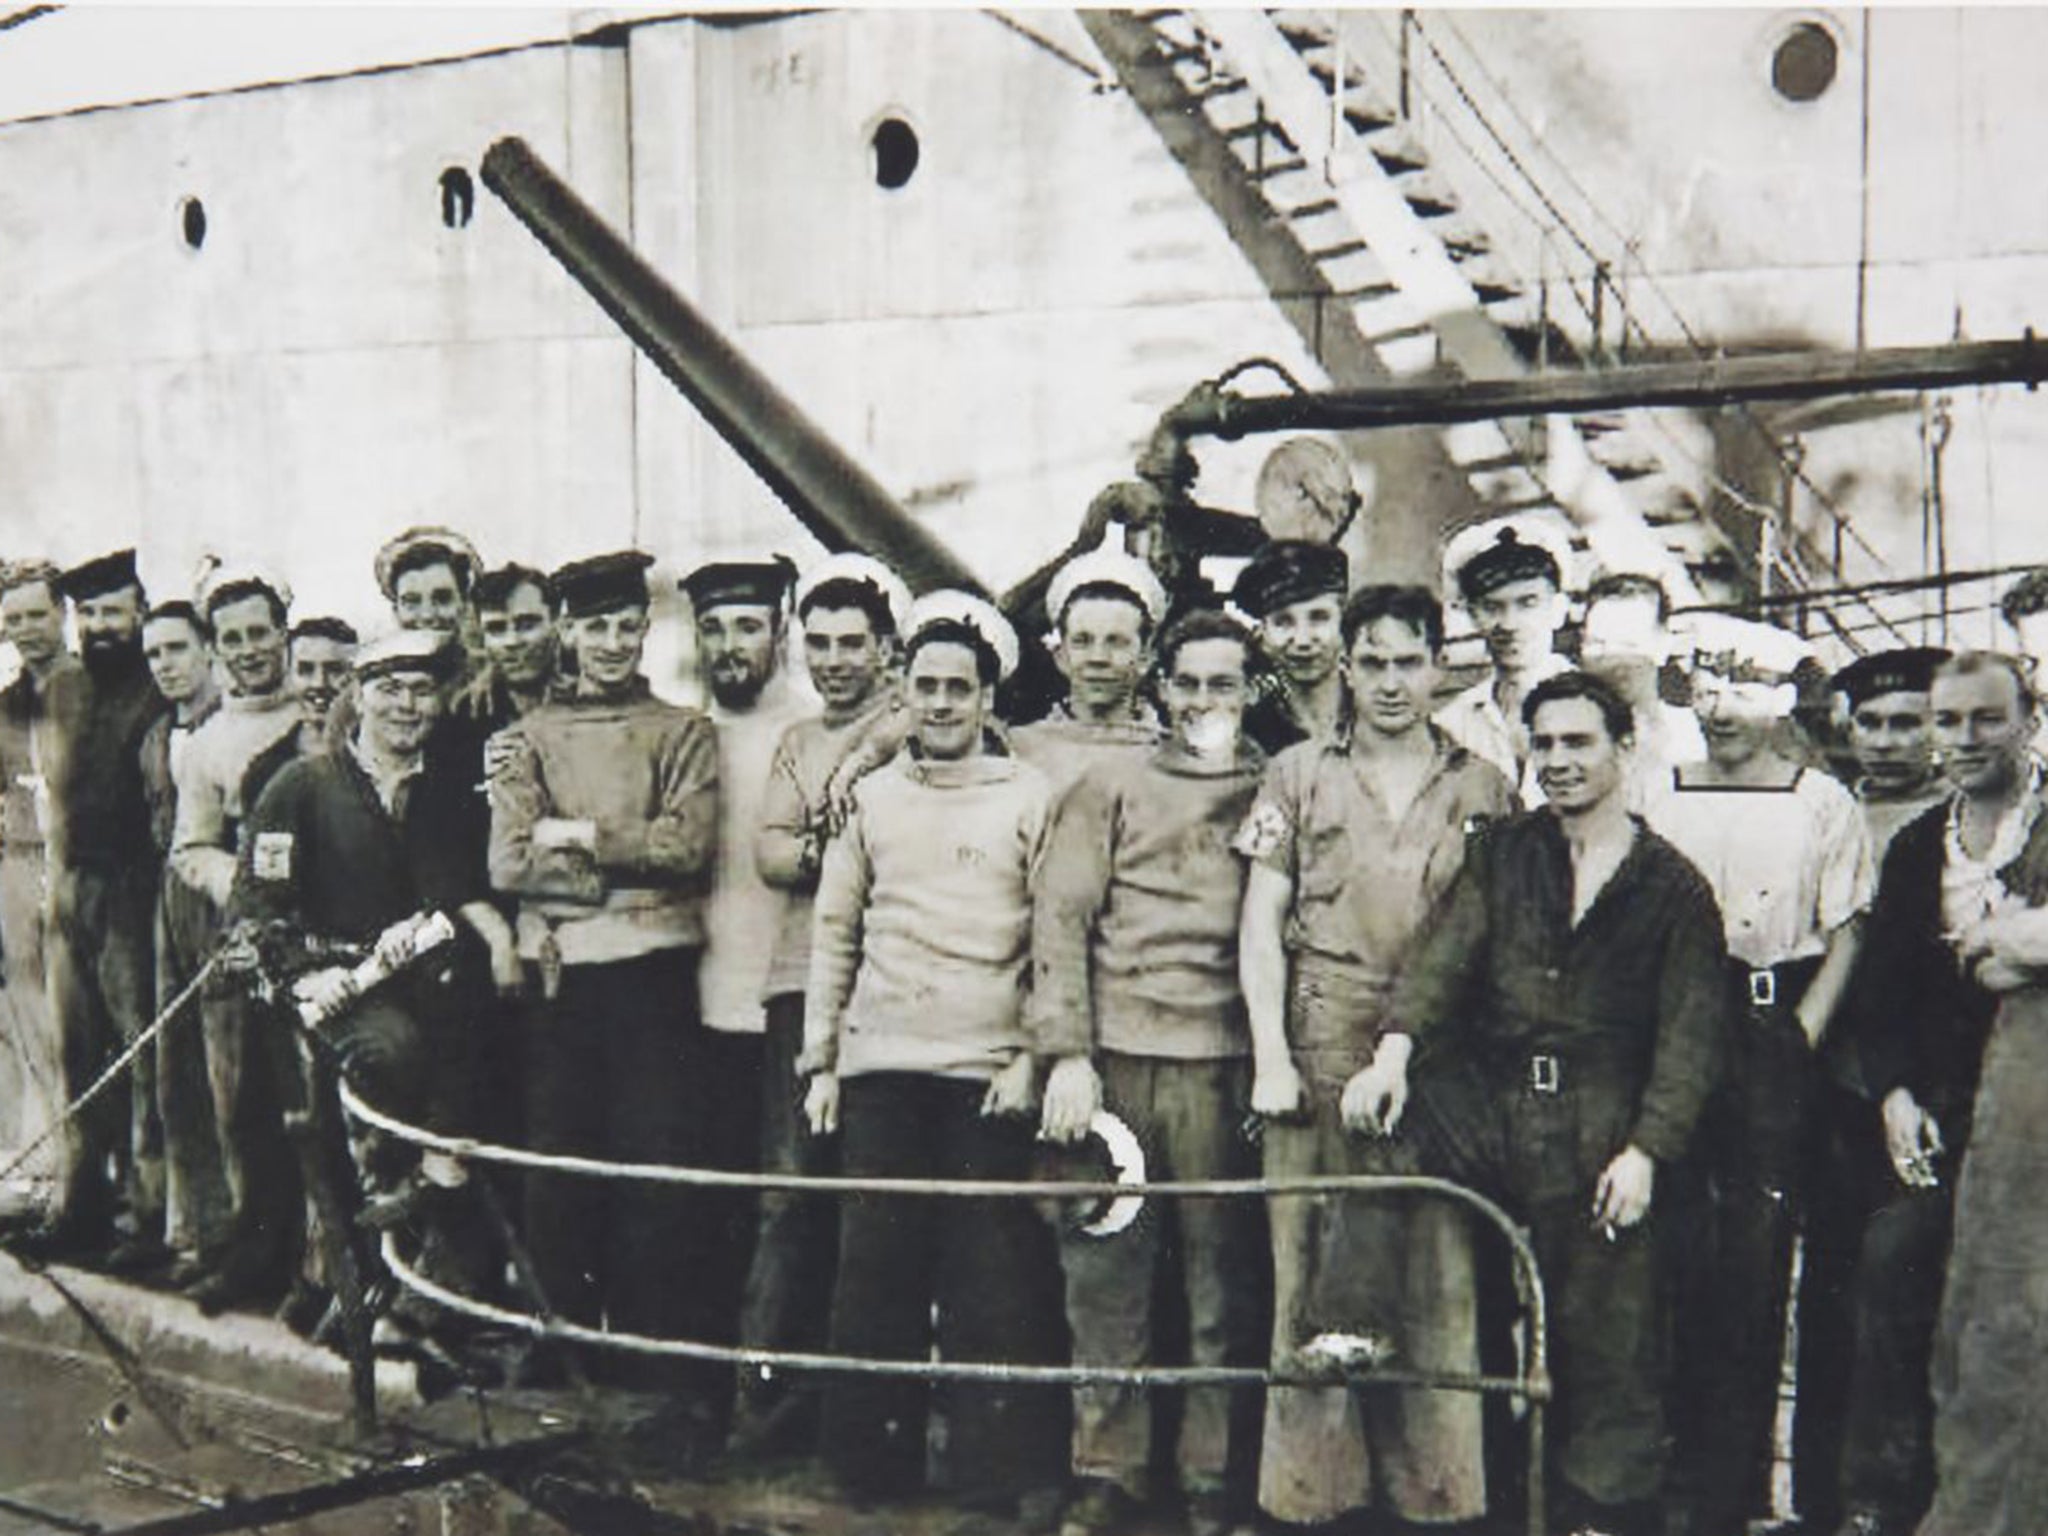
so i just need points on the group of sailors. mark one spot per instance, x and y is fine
(1686, 955)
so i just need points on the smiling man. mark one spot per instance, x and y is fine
(604, 827)
(319, 657)
(1784, 849)
(1509, 574)
(1569, 1003)
(1135, 1007)
(916, 1052)
(1891, 732)
(249, 615)
(1353, 842)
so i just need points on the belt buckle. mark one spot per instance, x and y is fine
(1763, 988)
(1544, 1076)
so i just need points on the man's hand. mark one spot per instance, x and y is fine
(1276, 1089)
(323, 994)
(1995, 974)
(1912, 1139)
(1073, 1093)
(1623, 1196)
(821, 1103)
(1009, 1091)
(1375, 1097)
(397, 945)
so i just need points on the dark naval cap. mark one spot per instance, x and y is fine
(1290, 571)
(603, 582)
(1909, 670)
(410, 650)
(755, 583)
(1482, 559)
(99, 576)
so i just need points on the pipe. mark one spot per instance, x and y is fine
(1790, 376)
(831, 495)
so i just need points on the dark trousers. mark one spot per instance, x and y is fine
(1540, 1154)
(197, 1204)
(102, 976)
(987, 1265)
(732, 1141)
(252, 1068)
(613, 1070)
(1754, 1150)
(1847, 1179)
(788, 1293)
(1887, 1447)
(1187, 1116)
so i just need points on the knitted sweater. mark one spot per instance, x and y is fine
(1134, 929)
(921, 934)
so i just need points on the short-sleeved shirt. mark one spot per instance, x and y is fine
(1476, 722)
(1789, 864)
(1363, 881)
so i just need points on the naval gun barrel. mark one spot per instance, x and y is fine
(842, 505)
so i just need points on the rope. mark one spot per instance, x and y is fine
(119, 1065)
(937, 1370)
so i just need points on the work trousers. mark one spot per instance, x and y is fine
(197, 1204)
(251, 1068)
(1188, 1117)
(1990, 1371)
(1754, 1148)
(1535, 1136)
(1887, 1444)
(614, 1070)
(1399, 1268)
(732, 1141)
(788, 1294)
(987, 1266)
(102, 978)
(32, 1055)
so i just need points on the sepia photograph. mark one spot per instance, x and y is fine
(944, 771)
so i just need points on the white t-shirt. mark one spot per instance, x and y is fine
(1788, 864)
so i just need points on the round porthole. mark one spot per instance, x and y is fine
(894, 151)
(1804, 62)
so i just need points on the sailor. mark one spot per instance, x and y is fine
(740, 610)
(1784, 850)
(1105, 606)
(1625, 637)
(604, 821)
(101, 967)
(1353, 842)
(426, 575)
(515, 618)
(32, 1062)
(1509, 574)
(344, 845)
(851, 609)
(1135, 1006)
(2024, 607)
(1570, 1002)
(319, 660)
(248, 612)
(1293, 590)
(1919, 1018)
(1849, 1177)
(178, 646)
(1891, 733)
(915, 1050)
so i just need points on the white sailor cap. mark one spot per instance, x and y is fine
(1105, 567)
(1487, 556)
(1744, 651)
(216, 576)
(461, 556)
(955, 609)
(409, 650)
(863, 570)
